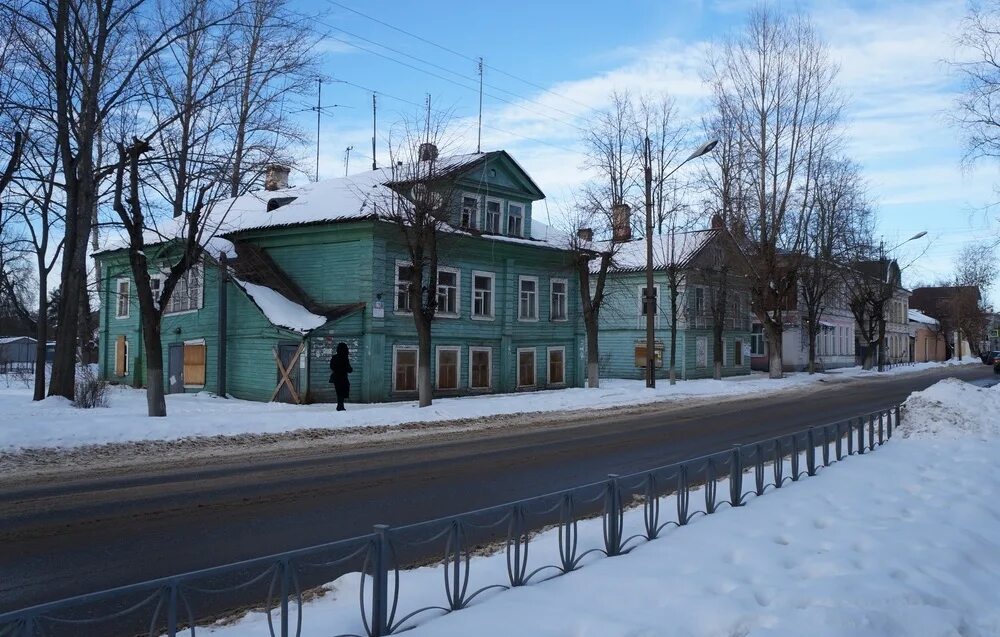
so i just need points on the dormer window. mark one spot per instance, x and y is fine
(276, 202)
(515, 220)
(493, 213)
(470, 211)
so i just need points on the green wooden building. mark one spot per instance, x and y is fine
(296, 270)
(698, 254)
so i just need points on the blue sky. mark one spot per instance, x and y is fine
(890, 55)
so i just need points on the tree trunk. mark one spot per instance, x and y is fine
(774, 351)
(156, 404)
(717, 352)
(41, 335)
(673, 334)
(425, 391)
(812, 350)
(593, 356)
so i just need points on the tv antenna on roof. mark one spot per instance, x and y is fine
(320, 110)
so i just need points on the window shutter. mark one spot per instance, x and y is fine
(194, 364)
(120, 356)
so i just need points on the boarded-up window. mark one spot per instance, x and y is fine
(640, 354)
(447, 368)
(405, 373)
(194, 364)
(525, 367)
(738, 352)
(121, 356)
(479, 369)
(557, 366)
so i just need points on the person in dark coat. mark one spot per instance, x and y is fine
(340, 367)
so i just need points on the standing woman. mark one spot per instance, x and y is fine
(340, 367)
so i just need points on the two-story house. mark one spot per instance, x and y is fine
(699, 257)
(296, 270)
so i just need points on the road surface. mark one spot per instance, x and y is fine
(86, 534)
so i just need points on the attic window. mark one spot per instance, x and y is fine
(276, 202)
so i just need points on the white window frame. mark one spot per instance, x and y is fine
(500, 216)
(395, 287)
(524, 319)
(200, 272)
(437, 366)
(493, 295)
(461, 210)
(552, 285)
(458, 293)
(489, 362)
(509, 216)
(639, 306)
(548, 365)
(517, 369)
(118, 297)
(125, 366)
(416, 383)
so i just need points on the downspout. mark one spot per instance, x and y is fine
(223, 320)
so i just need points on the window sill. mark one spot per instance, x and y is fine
(527, 320)
(448, 316)
(483, 318)
(182, 312)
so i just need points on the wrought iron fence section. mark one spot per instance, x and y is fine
(173, 606)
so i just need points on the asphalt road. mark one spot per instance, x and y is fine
(87, 534)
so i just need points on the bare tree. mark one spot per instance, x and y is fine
(976, 272)
(977, 107)
(603, 213)
(870, 280)
(775, 82)
(839, 218)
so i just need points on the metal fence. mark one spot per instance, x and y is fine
(278, 584)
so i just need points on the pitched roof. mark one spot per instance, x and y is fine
(676, 249)
(919, 317)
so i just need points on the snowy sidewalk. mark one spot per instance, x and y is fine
(55, 423)
(902, 542)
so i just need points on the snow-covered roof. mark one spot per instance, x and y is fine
(4, 340)
(668, 249)
(919, 317)
(279, 310)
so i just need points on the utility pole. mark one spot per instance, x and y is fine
(347, 158)
(650, 296)
(884, 282)
(374, 164)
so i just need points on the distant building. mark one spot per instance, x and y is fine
(927, 342)
(16, 352)
(953, 305)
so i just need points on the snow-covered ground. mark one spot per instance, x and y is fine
(903, 542)
(55, 423)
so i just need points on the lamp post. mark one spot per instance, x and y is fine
(650, 293)
(884, 267)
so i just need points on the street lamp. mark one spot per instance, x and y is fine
(650, 295)
(884, 265)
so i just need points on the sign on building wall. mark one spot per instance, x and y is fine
(323, 348)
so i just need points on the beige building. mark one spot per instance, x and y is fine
(926, 340)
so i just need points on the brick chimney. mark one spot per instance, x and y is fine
(621, 222)
(276, 177)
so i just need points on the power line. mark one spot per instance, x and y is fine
(454, 52)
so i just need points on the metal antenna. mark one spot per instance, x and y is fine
(374, 164)
(319, 112)
(479, 131)
(347, 158)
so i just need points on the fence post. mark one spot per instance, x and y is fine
(811, 452)
(839, 445)
(172, 610)
(284, 597)
(898, 414)
(736, 477)
(380, 582)
(795, 458)
(881, 429)
(871, 432)
(613, 517)
(861, 435)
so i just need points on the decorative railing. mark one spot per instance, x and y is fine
(279, 584)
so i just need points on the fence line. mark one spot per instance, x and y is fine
(173, 605)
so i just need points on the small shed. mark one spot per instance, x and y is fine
(16, 351)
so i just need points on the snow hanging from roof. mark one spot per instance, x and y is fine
(280, 311)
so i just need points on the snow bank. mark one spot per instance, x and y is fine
(53, 424)
(952, 408)
(896, 543)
